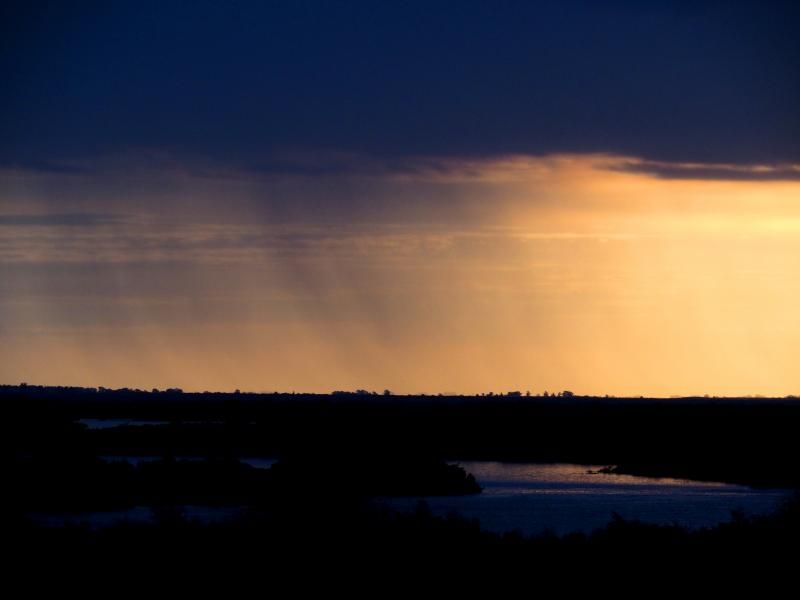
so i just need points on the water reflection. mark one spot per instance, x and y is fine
(526, 497)
(563, 498)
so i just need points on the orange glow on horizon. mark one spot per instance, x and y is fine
(561, 272)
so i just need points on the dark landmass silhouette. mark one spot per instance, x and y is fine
(360, 546)
(313, 516)
(745, 440)
(81, 484)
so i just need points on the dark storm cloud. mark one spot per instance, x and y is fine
(712, 82)
(665, 170)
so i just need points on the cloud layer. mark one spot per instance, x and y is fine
(704, 82)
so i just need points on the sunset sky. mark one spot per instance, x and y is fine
(452, 197)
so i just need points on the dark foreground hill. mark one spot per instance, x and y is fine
(347, 547)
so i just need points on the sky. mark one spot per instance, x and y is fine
(454, 197)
